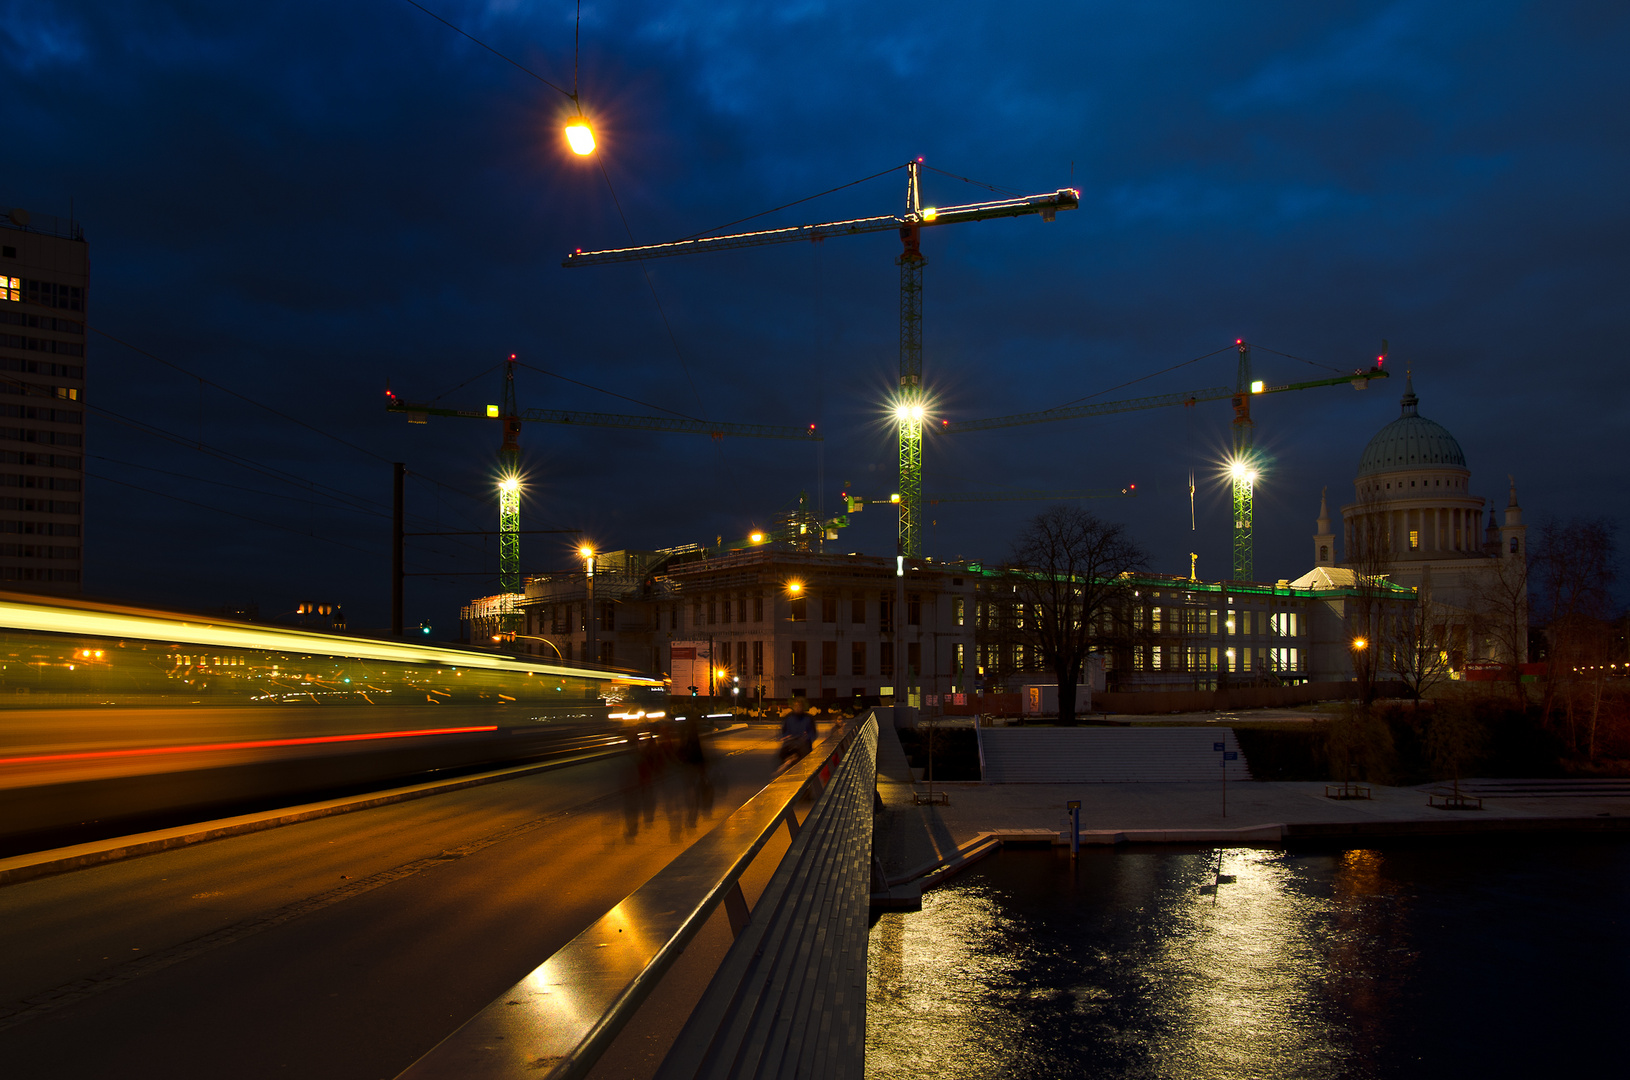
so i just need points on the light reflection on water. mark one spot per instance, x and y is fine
(1360, 963)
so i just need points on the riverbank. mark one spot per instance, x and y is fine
(914, 837)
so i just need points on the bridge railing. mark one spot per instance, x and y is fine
(793, 954)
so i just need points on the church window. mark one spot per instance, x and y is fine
(1324, 552)
(1513, 545)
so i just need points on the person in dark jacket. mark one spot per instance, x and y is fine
(797, 731)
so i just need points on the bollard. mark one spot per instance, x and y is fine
(1074, 807)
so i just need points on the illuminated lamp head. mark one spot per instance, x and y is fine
(509, 485)
(579, 136)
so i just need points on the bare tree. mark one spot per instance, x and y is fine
(1069, 572)
(1371, 561)
(1575, 564)
(1417, 639)
(1500, 609)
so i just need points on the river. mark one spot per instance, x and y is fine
(1487, 959)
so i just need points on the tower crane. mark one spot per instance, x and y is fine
(509, 450)
(1242, 468)
(910, 406)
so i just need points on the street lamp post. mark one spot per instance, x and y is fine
(590, 616)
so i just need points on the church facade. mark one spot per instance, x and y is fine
(1415, 522)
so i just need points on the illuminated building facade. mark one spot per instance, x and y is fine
(1415, 522)
(44, 288)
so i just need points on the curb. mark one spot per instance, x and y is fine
(40, 864)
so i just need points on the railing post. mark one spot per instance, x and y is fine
(735, 908)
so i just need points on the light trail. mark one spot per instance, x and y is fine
(153, 751)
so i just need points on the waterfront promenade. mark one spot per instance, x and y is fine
(913, 838)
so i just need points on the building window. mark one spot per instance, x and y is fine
(957, 617)
(724, 616)
(741, 609)
(800, 658)
(1414, 539)
(696, 614)
(914, 659)
(608, 617)
(741, 658)
(829, 609)
(758, 609)
(800, 609)
(957, 658)
(608, 653)
(857, 611)
(1324, 552)
(10, 288)
(885, 615)
(1513, 545)
(914, 610)
(829, 658)
(758, 658)
(712, 612)
(857, 658)
(885, 659)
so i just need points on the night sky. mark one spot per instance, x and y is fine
(301, 201)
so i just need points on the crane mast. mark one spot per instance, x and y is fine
(1243, 470)
(509, 490)
(910, 407)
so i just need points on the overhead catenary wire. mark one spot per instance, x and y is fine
(603, 390)
(202, 380)
(506, 59)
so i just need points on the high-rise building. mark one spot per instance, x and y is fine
(44, 285)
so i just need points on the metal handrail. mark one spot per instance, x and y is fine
(555, 1023)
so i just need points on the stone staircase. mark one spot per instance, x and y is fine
(1096, 755)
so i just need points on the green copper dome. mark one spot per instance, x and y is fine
(1410, 442)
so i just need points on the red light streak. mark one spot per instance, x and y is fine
(150, 751)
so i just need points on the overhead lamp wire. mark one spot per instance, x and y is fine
(572, 93)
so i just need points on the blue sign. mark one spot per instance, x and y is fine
(1231, 755)
(1216, 746)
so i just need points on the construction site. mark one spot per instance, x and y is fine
(784, 611)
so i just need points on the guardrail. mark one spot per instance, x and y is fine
(556, 1022)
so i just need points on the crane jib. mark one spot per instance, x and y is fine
(1046, 205)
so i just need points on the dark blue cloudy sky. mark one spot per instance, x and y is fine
(301, 201)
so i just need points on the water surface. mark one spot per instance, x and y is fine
(1488, 960)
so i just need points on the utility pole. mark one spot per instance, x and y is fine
(397, 570)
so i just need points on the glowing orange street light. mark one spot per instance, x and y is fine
(579, 136)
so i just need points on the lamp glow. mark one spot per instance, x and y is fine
(585, 552)
(580, 137)
(1257, 387)
(795, 587)
(757, 538)
(1360, 643)
(509, 485)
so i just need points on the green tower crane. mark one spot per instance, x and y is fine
(910, 407)
(1243, 467)
(509, 450)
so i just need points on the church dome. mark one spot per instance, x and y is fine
(1410, 442)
